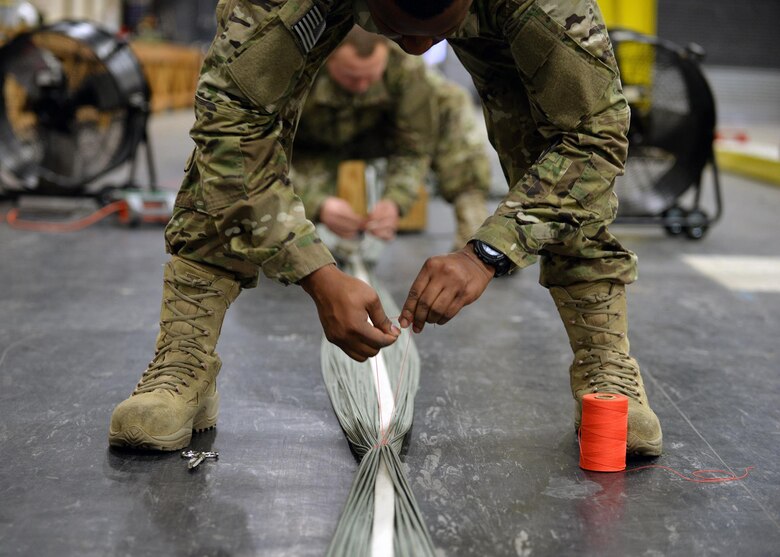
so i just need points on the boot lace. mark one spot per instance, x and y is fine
(608, 368)
(171, 375)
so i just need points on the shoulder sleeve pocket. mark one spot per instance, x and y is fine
(266, 70)
(267, 65)
(564, 79)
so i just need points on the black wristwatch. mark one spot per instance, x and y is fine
(491, 256)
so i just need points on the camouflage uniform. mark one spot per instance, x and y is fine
(413, 117)
(552, 100)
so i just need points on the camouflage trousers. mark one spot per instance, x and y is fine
(560, 125)
(559, 208)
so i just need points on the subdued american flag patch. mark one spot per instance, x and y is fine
(309, 28)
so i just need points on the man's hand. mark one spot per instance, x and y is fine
(344, 305)
(383, 220)
(337, 214)
(444, 286)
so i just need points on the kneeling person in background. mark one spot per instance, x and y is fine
(373, 101)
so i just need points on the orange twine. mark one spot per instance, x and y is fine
(602, 439)
(603, 432)
(13, 220)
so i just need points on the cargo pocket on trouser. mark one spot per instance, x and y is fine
(564, 79)
(215, 178)
(212, 184)
(593, 253)
(184, 196)
(596, 199)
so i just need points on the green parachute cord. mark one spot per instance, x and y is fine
(350, 385)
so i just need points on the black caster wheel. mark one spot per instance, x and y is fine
(696, 224)
(675, 221)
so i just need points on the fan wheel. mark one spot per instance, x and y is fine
(696, 224)
(674, 221)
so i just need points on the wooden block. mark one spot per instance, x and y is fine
(351, 185)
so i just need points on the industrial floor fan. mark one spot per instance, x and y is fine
(671, 136)
(74, 105)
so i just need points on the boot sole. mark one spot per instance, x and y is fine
(135, 437)
(642, 447)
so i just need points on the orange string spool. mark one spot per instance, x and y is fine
(603, 432)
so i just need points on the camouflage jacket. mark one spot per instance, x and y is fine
(394, 119)
(551, 95)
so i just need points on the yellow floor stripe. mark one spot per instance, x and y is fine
(746, 164)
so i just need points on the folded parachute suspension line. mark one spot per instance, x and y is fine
(381, 517)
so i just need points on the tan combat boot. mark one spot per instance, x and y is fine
(470, 214)
(178, 392)
(594, 315)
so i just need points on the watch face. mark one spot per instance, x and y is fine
(491, 256)
(491, 251)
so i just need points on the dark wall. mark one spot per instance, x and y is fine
(186, 21)
(133, 11)
(733, 32)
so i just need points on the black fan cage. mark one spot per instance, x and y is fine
(74, 105)
(672, 123)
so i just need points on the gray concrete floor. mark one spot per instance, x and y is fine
(492, 456)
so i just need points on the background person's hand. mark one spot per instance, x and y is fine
(444, 286)
(383, 220)
(337, 214)
(344, 305)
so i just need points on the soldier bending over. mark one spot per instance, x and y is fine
(556, 114)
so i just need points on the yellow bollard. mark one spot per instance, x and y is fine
(636, 60)
(636, 15)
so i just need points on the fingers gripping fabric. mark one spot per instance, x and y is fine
(353, 390)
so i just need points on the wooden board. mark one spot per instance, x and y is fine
(351, 186)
